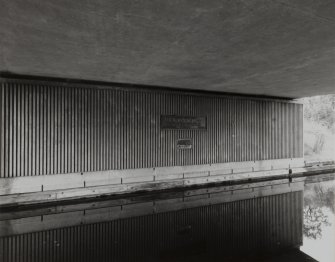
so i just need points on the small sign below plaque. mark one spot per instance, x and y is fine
(183, 122)
(184, 143)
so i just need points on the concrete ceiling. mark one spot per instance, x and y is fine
(264, 47)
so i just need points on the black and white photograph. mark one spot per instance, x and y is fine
(174, 131)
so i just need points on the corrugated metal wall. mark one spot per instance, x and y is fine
(49, 128)
(242, 226)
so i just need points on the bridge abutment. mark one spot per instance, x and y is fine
(61, 140)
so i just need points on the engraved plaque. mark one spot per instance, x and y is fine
(183, 122)
(184, 143)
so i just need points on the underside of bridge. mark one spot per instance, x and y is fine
(276, 48)
(108, 97)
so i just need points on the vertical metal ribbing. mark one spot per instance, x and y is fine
(103, 130)
(298, 113)
(294, 126)
(142, 131)
(139, 133)
(276, 130)
(279, 140)
(262, 133)
(64, 116)
(265, 133)
(93, 131)
(126, 124)
(257, 131)
(269, 129)
(162, 133)
(237, 131)
(292, 132)
(101, 127)
(104, 126)
(57, 130)
(272, 130)
(124, 129)
(6, 129)
(42, 138)
(227, 130)
(111, 130)
(15, 131)
(49, 129)
(281, 130)
(247, 137)
(108, 130)
(65, 132)
(89, 127)
(35, 131)
(2, 129)
(248, 130)
(254, 131)
(80, 130)
(85, 133)
(149, 137)
(96, 136)
(244, 136)
(299, 133)
(92, 127)
(115, 133)
(260, 128)
(131, 132)
(229, 126)
(301, 130)
(284, 129)
(39, 130)
(72, 156)
(10, 132)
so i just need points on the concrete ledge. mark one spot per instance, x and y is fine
(39, 189)
(30, 184)
(311, 171)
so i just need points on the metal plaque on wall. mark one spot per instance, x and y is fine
(184, 143)
(183, 122)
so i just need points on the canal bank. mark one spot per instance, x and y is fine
(199, 179)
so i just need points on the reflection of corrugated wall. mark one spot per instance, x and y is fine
(50, 128)
(242, 226)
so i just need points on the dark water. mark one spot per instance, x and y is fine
(265, 221)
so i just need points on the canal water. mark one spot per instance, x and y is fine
(277, 220)
(319, 218)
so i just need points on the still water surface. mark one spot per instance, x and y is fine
(264, 221)
(319, 219)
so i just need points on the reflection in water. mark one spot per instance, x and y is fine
(319, 218)
(314, 221)
(233, 222)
